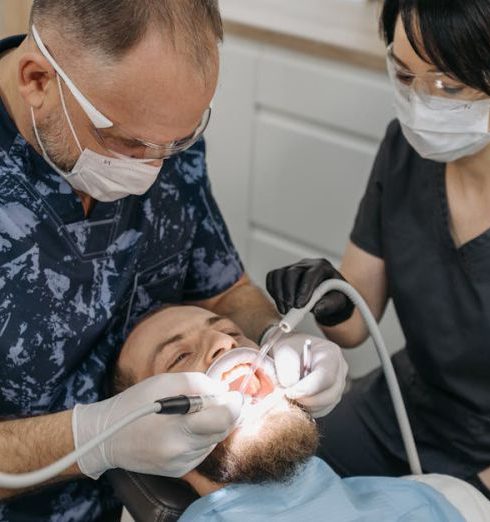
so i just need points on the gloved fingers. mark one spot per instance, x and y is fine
(318, 414)
(192, 460)
(334, 308)
(312, 277)
(288, 364)
(274, 284)
(324, 402)
(217, 419)
(292, 281)
(327, 367)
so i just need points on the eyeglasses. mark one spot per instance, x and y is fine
(117, 140)
(435, 89)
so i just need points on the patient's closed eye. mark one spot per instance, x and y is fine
(233, 334)
(180, 358)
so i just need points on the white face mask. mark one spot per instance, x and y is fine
(103, 178)
(449, 131)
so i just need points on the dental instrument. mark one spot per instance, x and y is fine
(306, 362)
(291, 320)
(184, 404)
(181, 404)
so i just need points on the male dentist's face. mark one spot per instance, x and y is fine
(152, 94)
(275, 435)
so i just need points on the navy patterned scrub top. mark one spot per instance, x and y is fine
(70, 287)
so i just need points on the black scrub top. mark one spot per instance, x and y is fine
(441, 294)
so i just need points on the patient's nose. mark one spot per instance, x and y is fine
(220, 344)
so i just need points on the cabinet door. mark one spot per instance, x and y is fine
(14, 16)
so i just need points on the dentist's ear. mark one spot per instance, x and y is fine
(35, 75)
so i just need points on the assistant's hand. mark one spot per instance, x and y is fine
(293, 286)
(322, 389)
(166, 445)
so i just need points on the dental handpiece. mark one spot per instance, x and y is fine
(184, 404)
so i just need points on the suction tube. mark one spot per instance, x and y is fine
(295, 316)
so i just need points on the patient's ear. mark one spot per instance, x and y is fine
(200, 484)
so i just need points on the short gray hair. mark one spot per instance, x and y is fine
(111, 28)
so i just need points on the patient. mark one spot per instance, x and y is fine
(266, 469)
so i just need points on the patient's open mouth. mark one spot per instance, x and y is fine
(260, 384)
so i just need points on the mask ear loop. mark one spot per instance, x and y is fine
(65, 110)
(61, 172)
(36, 133)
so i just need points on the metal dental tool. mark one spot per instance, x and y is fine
(306, 362)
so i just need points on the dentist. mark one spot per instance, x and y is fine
(106, 213)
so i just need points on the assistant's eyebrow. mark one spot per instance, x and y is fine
(400, 62)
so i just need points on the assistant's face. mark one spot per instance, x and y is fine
(408, 60)
(179, 339)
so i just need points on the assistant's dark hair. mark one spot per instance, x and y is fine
(453, 35)
(114, 27)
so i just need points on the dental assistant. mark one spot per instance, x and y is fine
(422, 239)
(106, 213)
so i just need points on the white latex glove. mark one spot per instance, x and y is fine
(322, 389)
(166, 445)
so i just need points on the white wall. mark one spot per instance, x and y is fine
(14, 15)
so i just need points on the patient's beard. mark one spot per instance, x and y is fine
(273, 453)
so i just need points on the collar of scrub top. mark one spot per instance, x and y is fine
(95, 116)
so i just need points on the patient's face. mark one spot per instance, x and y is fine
(179, 339)
(274, 436)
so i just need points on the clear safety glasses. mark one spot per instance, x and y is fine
(112, 136)
(437, 90)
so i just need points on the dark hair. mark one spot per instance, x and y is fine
(453, 35)
(114, 27)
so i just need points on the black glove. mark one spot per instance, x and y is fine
(293, 286)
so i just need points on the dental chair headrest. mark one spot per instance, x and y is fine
(151, 498)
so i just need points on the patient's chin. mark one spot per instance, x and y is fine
(267, 450)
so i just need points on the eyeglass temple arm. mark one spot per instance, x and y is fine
(95, 116)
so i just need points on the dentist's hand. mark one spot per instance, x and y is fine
(166, 445)
(322, 389)
(293, 286)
